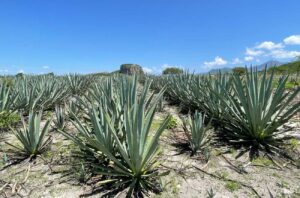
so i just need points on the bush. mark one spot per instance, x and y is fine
(232, 186)
(239, 70)
(172, 70)
(172, 123)
(8, 120)
(20, 75)
(8, 81)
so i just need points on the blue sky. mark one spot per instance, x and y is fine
(87, 36)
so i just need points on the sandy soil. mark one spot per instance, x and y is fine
(220, 174)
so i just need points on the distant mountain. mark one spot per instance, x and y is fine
(268, 64)
(222, 70)
(288, 68)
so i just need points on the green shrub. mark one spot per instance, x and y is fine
(172, 70)
(263, 161)
(288, 68)
(232, 186)
(8, 81)
(8, 120)
(293, 144)
(292, 84)
(239, 70)
(172, 123)
(20, 75)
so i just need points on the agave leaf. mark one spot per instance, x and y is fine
(31, 137)
(120, 131)
(256, 110)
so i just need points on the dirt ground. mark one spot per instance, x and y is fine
(215, 172)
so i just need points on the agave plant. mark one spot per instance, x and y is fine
(51, 91)
(78, 84)
(91, 138)
(8, 118)
(6, 100)
(160, 106)
(137, 168)
(38, 92)
(158, 82)
(60, 115)
(26, 96)
(204, 90)
(179, 89)
(256, 110)
(130, 148)
(196, 132)
(107, 95)
(73, 109)
(32, 138)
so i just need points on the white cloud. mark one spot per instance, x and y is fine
(159, 69)
(237, 61)
(262, 51)
(252, 52)
(21, 71)
(292, 40)
(217, 62)
(269, 45)
(284, 54)
(249, 58)
(46, 67)
(147, 70)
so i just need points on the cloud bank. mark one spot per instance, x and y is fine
(262, 50)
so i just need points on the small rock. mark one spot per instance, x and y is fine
(286, 191)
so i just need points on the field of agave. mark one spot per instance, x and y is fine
(107, 127)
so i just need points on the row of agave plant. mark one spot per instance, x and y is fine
(29, 93)
(247, 110)
(112, 120)
(119, 115)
